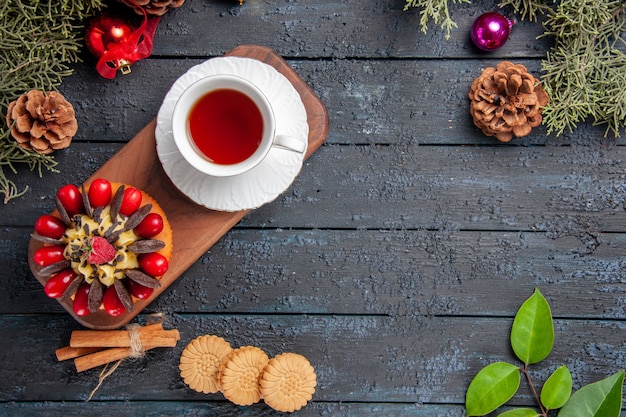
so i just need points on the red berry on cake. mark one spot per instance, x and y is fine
(99, 251)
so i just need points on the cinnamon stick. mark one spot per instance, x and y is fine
(103, 357)
(93, 348)
(69, 352)
(152, 335)
(166, 338)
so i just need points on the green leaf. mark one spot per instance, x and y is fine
(532, 334)
(494, 385)
(557, 389)
(600, 399)
(520, 412)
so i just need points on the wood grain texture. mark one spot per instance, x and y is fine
(374, 101)
(336, 29)
(224, 409)
(396, 260)
(355, 357)
(575, 190)
(374, 272)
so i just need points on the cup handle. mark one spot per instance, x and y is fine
(289, 143)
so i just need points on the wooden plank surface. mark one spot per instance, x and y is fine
(388, 272)
(338, 29)
(398, 257)
(548, 189)
(356, 357)
(373, 101)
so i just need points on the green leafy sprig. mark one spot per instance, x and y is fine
(38, 42)
(532, 339)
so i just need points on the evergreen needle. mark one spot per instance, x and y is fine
(38, 42)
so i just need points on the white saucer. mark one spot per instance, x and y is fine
(264, 182)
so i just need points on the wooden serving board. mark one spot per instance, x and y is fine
(195, 228)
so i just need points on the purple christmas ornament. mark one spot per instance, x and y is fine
(490, 31)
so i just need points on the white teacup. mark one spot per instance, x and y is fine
(223, 125)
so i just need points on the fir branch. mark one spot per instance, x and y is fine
(12, 154)
(38, 43)
(584, 73)
(527, 9)
(437, 11)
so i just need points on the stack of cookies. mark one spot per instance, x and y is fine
(246, 374)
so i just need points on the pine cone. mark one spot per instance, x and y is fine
(506, 101)
(41, 121)
(153, 7)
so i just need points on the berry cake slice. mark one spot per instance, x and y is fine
(105, 247)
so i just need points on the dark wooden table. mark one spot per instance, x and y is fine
(396, 260)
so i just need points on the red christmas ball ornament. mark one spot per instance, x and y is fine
(490, 31)
(105, 32)
(117, 44)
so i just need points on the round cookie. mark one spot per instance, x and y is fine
(288, 382)
(200, 363)
(239, 375)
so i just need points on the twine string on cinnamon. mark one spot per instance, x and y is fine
(103, 375)
(136, 348)
(136, 351)
(93, 348)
